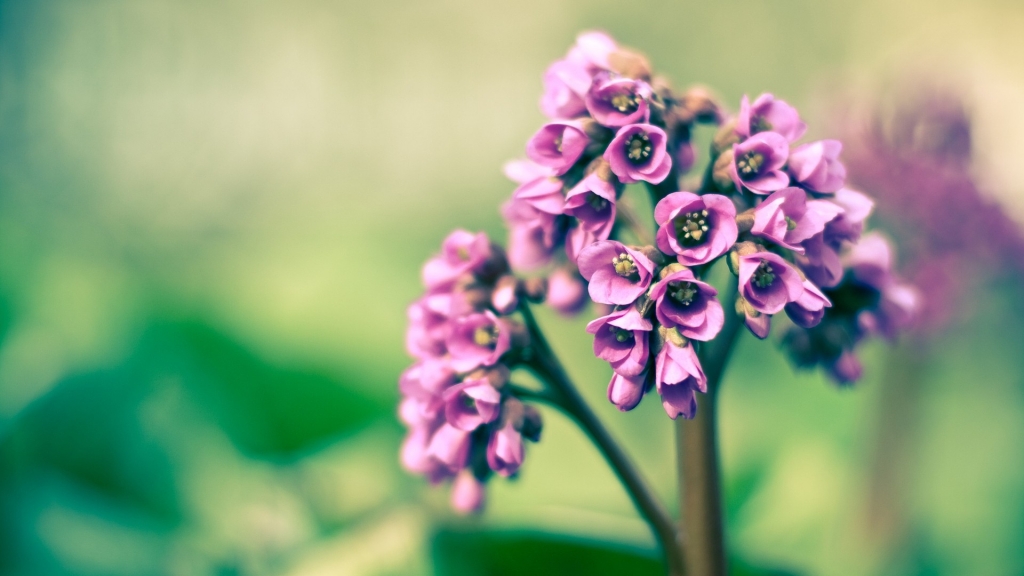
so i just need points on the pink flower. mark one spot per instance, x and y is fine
(617, 274)
(450, 446)
(505, 450)
(768, 282)
(683, 302)
(758, 161)
(678, 377)
(543, 194)
(768, 114)
(478, 340)
(618, 101)
(467, 493)
(697, 229)
(625, 392)
(567, 292)
(461, 253)
(787, 218)
(428, 326)
(558, 145)
(638, 153)
(592, 203)
(533, 235)
(817, 166)
(808, 310)
(620, 339)
(471, 403)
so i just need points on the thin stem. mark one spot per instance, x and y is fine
(700, 493)
(547, 367)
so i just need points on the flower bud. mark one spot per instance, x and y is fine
(725, 138)
(652, 253)
(745, 221)
(532, 424)
(535, 288)
(672, 335)
(671, 269)
(505, 298)
(721, 172)
(698, 105)
(629, 64)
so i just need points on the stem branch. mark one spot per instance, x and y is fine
(547, 367)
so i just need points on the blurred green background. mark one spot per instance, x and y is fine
(212, 217)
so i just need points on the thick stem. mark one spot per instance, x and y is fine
(700, 495)
(547, 367)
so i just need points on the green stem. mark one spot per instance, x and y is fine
(700, 495)
(546, 366)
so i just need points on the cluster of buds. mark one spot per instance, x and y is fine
(611, 124)
(464, 423)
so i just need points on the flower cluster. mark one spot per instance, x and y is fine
(792, 234)
(611, 124)
(463, 421)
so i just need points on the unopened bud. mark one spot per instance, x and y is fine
(672, 335)
(532, 424)
(505, 297)
(699, 105)
(629, 64)
(745, 221)
(495, 266)
(671, 269)
(497, 376)
(512, 412)
(602, 169)
(652, 254)
(534, 289)
(725, 137)
(722, 171)
(520, 337)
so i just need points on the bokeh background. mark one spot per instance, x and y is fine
(212, 217)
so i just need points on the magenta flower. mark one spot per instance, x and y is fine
(565, 83)
(450, 446)
(533, 235)
(768, 114)
(558, 145)
(683, 302)
(758, 161)
(461, 253)
(567, 292)
(593, 50)
(505, 450)
(846, 369)
(638, 153)
(817, 167)
(592, 203)
(697, 229)
(759, 324)
(617, 102)
(428, 326)
(468, 493)
(678, 377)
(768, 282)
(478, 340)
(427, 379)
(787, 218)
(808, 310)
(522, 171)
(620, 339)
(617, 274)
(543, 194)
(415, 455)
(625, 392)
(849, 224)
(471, 403)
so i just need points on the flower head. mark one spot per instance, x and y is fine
(617, 274)
(768, 282)
(477, 340)
(558, 145)
(817, 167)
(697, 229)
(758, 161)
(769, 114)
(683, 302)
(678, 376)
(621, 339)
(638, 153)
(787, 218)
(619, 101)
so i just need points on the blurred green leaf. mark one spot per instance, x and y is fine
(498, 553)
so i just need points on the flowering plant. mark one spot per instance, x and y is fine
(775, 210)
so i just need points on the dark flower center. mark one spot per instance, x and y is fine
(468, 401)
(750, 164)
(620, 334)
(625, 266)
(625, 102)
(763, 276)
(759, 124)
(485, 335)
(682, 292)
(596, 202)
(638, 148)
(692, 227)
